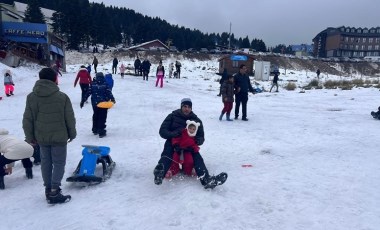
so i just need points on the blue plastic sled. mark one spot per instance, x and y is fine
(93, 155)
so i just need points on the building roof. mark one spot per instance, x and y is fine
(21, 8)
(237, 53)
(147, 43)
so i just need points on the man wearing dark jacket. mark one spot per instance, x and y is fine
(242, 87)
(50, 122)
(172, 127)
(114, 65)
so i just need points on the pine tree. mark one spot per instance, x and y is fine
(33, 12)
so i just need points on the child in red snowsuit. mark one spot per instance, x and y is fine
(183, 146)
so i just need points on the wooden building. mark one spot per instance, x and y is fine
(233, 61)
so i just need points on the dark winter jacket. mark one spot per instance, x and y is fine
(83, 76)
(175, 122)
(146, 65)
(275, 78)
(115, 62)
(243, 83)
(99, 91)
(228, 91)
(95, 61)
(137, 63)
(49, 116)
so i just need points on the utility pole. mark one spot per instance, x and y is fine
(229, 39)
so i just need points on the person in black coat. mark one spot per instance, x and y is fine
(115, 62)
(242, 87)
(146, 68)
(172, 127)
(376, 115)
(137, 66)
(275, 80)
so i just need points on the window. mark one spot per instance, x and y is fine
(347, 30)
(353, 30)
(235, 64)
(351, 47)
(369, 47)
(376, 47)
(363, 47)
(372, 30)
(377, 40)
(356, 47)
(346, 39)
(359, 31)
(361, 54)
(370, 40)
(378, 31)
(355, 54)
(364, 39)
(365, 31)
(352, 39)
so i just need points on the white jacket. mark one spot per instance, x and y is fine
(13, 148)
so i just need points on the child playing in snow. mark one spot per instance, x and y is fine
(122, 70)
(8, 83)
(183, 146)
(227, 91)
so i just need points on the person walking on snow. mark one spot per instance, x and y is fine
(49, 120)
(114, 65)
(160, 73)
(8, 83)
(84, 80)
(242, 87)
(227, 98)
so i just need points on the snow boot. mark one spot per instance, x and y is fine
(11, 93)
(29, 173)
(213, 181)
(56, 197)
(221, 116)
(159, 174)
(228, 117)
(47, 193)
(2, 186)
(102, 133)
(8, 95)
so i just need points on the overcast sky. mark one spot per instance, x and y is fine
(274, 21)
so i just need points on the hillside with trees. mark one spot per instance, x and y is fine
(83, 24)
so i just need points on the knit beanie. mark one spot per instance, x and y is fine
(48, 74)
(99, 74)
(186, 101)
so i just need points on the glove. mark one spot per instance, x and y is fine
(199, 140)
(176, 148)
(13, 84)
(81, 104)
(114, 101)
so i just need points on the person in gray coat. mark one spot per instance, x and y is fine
(50, 122)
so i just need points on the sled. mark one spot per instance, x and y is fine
(93, 155)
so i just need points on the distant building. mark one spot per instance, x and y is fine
(302, 50)
(347, 42)
(154, 45)
(233, 61)
(31, 41)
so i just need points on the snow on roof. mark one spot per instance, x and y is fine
(21, 8)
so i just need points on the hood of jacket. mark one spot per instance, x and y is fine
(45, 88)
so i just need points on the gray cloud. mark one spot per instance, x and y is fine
(274, 21)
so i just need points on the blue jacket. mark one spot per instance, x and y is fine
(109, 80)
(99, 91)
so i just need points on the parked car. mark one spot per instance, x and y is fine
(203, 50)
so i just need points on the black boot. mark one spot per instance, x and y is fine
(56, 197)
(102, 133)
(12, 93)
(158, 173)
(47, 193)
(29, 173)
(213, 181)
(2, 186)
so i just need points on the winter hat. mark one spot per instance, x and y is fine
(99, 74)
(186, 101)
(8, 72)
(196, 124)
(48, 74)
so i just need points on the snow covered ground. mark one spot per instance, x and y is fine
(314, 157)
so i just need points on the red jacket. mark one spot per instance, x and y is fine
(83, 76)
(185, 141)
